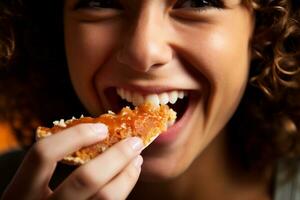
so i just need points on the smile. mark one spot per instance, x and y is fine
(120, 97)
(182, 101)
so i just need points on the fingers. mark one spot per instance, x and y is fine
(57, 146)
(40, 162)
(89, 178)
(122, 184)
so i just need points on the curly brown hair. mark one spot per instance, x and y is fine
(266, 124)
(264, 128)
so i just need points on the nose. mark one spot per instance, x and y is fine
(145, 46)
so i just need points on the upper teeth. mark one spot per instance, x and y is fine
(163, 98)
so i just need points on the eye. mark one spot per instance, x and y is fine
(98, 4)
(198, 4)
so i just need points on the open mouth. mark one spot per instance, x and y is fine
(118, 98)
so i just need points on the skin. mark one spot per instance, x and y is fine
(204, 51)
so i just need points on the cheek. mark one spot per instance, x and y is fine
(221, 57)
(229, 49)
(87, 47)
(227, 62)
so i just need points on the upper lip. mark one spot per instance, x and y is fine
(151, 89)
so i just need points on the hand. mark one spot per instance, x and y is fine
(111, 175)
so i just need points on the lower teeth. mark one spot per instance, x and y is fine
(179, 107)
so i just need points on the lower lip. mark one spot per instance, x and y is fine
(172, 133)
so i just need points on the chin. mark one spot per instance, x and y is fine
(153, 175)
(161, 170)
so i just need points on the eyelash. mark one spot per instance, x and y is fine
(98, 4)
(197, 5)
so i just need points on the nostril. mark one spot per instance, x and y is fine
(136, 62)
(156, 66)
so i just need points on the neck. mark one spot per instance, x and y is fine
(210, 176)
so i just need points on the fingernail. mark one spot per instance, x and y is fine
(138, 161)
(99, 129)
(136, 143)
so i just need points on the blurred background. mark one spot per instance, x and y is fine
(8, 140)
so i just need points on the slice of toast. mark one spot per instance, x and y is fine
(145, 121)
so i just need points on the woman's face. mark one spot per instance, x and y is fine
(162, 50)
